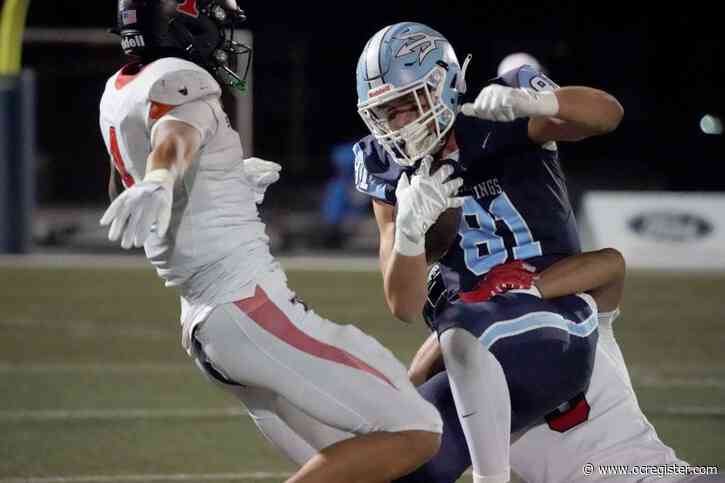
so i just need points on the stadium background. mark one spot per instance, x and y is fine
(94, 384)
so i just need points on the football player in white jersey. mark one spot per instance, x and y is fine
(191, 202)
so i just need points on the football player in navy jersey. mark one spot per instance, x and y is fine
(602, 426)
(515, 353)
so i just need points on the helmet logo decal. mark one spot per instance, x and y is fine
(189, 7)
(132, 42)
(423, 43)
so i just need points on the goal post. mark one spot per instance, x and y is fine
(17, 133)
(12, 25)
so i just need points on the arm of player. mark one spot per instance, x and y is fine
(428, 361)
(420, 201)
(175, 144)
(564, 114)
(582, 112)
(404, 277)
(601, 273)
(135, 212)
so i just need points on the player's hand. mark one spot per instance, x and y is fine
(421, 200)
(144, 207)
(505, 104)
(509, 276)
(260, 174)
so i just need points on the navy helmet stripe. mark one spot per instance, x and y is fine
(373, 58)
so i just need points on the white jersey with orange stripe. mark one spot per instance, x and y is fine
(216, 244)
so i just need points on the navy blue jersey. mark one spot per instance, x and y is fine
(517, 206)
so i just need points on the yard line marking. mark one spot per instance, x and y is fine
(253, 475)
(117, 414)
(709, 411)
(90, 328)
(332, 262)
(70, 260)
(681, 370)
(112, 368)
(641, 381)
(45, 415)
(317, 262)
(660, 382)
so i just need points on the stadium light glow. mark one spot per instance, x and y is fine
(711, 124)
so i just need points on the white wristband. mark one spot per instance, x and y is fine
(545, 104)
(161, 176)
(407, 247)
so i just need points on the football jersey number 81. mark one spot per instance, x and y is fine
(478, 230)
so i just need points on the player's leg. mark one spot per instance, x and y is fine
(270, 414)
(297, 435)
(482, 400)
(544, 355)
(333, 373)
(453, 457)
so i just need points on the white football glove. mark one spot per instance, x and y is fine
(260, 174)
(421, 200)
(504, 104)
(141, 207)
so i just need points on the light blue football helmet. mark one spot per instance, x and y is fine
(404, 59)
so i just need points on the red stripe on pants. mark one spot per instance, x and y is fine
(267, 315)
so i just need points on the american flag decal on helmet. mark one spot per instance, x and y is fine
(128, 17)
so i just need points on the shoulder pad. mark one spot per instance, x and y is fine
(528, 77)
(176, 82)
(375, 174)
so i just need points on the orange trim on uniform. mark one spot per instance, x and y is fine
(126, 178)
(268, 316)
(123, 78)
(158, 110)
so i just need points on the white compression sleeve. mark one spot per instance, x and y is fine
(482, 400)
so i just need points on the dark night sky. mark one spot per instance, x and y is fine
(665, 67)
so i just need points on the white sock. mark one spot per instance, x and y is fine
(609, 344)
(502, 478)
(482, 400)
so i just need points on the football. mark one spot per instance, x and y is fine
(443, 232)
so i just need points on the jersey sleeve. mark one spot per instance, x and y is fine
(373, 176)
(490, 139)
(503, 138)
(527, 77)
(199, 114)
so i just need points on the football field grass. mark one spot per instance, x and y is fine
(95, 387)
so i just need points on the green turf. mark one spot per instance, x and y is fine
(103, 340)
